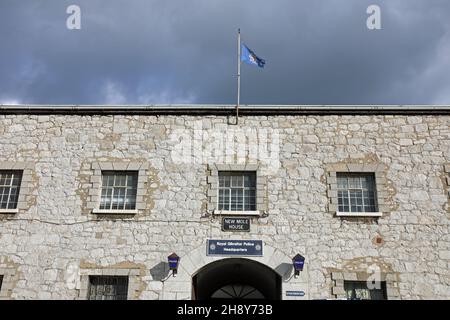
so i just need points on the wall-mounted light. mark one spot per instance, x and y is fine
(173, 260)
(298, 261)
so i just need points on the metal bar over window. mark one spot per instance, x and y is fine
(359, 290)
(356, 192)
(237, 191)
(119, 190)
(108, 288)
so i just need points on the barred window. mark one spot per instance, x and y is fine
(237, 191)
(9, 189)
(119, 190)
(356, 192)
(108, 287)
(359, 290)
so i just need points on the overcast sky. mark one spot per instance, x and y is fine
(185, 51)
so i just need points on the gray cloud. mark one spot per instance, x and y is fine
(178, 51)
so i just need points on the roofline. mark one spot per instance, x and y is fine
(223, 109)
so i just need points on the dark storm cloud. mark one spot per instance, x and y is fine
(184, 51)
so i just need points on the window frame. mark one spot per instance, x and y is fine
(353, 283)
(349, 189)
(382, 197)
(28, 183)
(115, 174)
(94, 196)
(134, 280)
(11, 186)
(213, 185)
(105, 278)
(339, 277)
(243, 188)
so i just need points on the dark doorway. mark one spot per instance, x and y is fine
(236, 279)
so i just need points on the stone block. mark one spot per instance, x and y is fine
(350, 276)
(337, 276)
(141, 206)
(95, 165)
(119, 166)
(27, 178)
(134, 166)
(211, 206)
(105, 166)
(251, 167)
(338, 290)
(223, 167)
(355, 167)
(122, 272)
(332, 179)
(237, 167)
(370, 167)
(6, 165)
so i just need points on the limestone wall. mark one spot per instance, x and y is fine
(54, 239)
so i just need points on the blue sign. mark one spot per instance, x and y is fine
(295, 293)
(173, 263)
(299, 265)
(299, 262)
(234, 248)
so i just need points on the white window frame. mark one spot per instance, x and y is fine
(27, 185)
(213, 185)
(94, 200)
(11, 186)
(242, 187)
(382, 196)
(350, 213)
(115, 174)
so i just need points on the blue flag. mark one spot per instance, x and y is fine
(248, 56)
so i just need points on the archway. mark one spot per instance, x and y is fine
(236, 278)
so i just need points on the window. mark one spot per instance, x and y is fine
(237, 191)
(9, 189)
(1, 281)
(358, 290)
(356, 192)
(108, 287)
(119, 190)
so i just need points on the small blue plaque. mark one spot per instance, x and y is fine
(234, 248)
(295, 293)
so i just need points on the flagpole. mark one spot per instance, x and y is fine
(238, 75)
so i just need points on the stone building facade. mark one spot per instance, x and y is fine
(57, 238)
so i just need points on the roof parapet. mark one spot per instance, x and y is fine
(217, 109)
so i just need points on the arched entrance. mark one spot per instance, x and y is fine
(236, 278)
